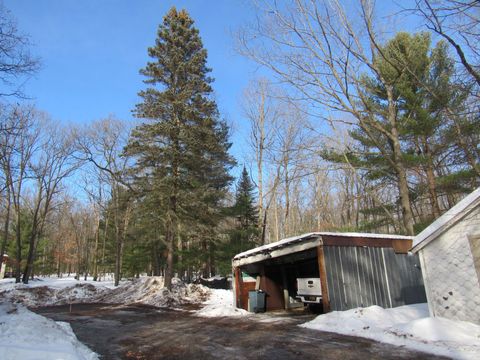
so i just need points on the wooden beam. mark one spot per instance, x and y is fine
(238, 291)
(286, 295)
(402, 246)
(323, 278)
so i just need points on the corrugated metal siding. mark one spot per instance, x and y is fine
(359, 276)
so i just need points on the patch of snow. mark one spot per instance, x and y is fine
(219, 304)
(28, 336)
(408, 326)
(212, 278)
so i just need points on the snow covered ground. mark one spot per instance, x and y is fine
(220, 303)
(408, 326)
(28, 336)
(23, 333)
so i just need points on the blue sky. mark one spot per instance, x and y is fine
(92, 50)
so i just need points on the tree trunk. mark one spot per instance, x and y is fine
(95, 250)
(104, 242)
(205, 270)
(169, 268)
(5, 226)
(172, 226)
(30, 257)
(264, 227)
(286, 227)
(118, 253)
(18, 271)
(277, 227)
(260, 149)
(432, 190)
(211, 249)
(407, 214)
(179, 256)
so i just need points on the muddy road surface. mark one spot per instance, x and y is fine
(139, 332)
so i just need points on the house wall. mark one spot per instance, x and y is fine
(452, 282)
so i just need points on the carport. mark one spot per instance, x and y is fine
(355, 269)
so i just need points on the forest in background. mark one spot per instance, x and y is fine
(357, 129)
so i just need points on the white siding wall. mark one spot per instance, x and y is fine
(452, 284)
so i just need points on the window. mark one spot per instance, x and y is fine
(474, 241)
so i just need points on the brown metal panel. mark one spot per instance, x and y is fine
(323, 278)
(271, 283)
(399, 245)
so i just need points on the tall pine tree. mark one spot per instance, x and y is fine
(182, 151)
(409, 100)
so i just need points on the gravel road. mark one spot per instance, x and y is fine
(140, 332)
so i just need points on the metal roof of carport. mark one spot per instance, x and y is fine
(300, 243)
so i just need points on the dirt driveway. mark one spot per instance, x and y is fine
(139, 332)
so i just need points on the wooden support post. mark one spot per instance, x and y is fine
(323, 278)
(286, 295)
(238, 290)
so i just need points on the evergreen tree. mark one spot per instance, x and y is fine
(244, 209)
(421, 90)
(244, 234)
(182, 151)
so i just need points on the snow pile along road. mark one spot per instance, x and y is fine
(150, 291)
(44, 295)
(220, 303)
(28, 336)
(41, 292)
(408, 326)
(145, 290)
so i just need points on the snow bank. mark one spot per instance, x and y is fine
(151, 291)
(220, 303)
(47, 291)
(145, 290)
(408, 326)
(28, 336)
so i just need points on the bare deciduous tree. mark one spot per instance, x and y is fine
(458, 22)
(262, 112)
(102, 145)
(18, 146)
(324, 51)
(16, 62)
(52, 164)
